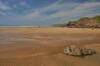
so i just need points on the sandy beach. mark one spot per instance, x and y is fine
(44, 46)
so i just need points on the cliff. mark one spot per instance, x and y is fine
(85, 22)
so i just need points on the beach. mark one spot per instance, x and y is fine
(44, 46)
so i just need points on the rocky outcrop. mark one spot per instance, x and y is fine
(59, 25)
(78, 51)
(85, 23)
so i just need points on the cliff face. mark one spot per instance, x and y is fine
(85, 22)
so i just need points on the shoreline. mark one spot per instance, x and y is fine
(16, 26)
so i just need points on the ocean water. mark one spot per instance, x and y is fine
(15, 26)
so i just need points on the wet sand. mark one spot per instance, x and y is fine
(44, 46)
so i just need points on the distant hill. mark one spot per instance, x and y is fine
(84, 22)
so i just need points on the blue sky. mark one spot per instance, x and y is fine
(45, 12)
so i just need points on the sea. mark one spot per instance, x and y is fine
(1, 27)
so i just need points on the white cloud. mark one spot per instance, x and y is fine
(2, 13)
(65, 11)
(77, 10)
(14, 6)
(4, 6)
(38, 13)
(22, 3)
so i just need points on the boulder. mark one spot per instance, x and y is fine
(78, 51)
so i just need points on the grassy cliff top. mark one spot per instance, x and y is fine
(96, 18)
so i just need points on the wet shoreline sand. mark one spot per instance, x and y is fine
(43, 46)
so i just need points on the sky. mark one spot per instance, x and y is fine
(45, 12)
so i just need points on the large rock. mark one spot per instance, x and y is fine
(78, 51)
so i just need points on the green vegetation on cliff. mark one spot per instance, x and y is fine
(97, 18)
(85, 22)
